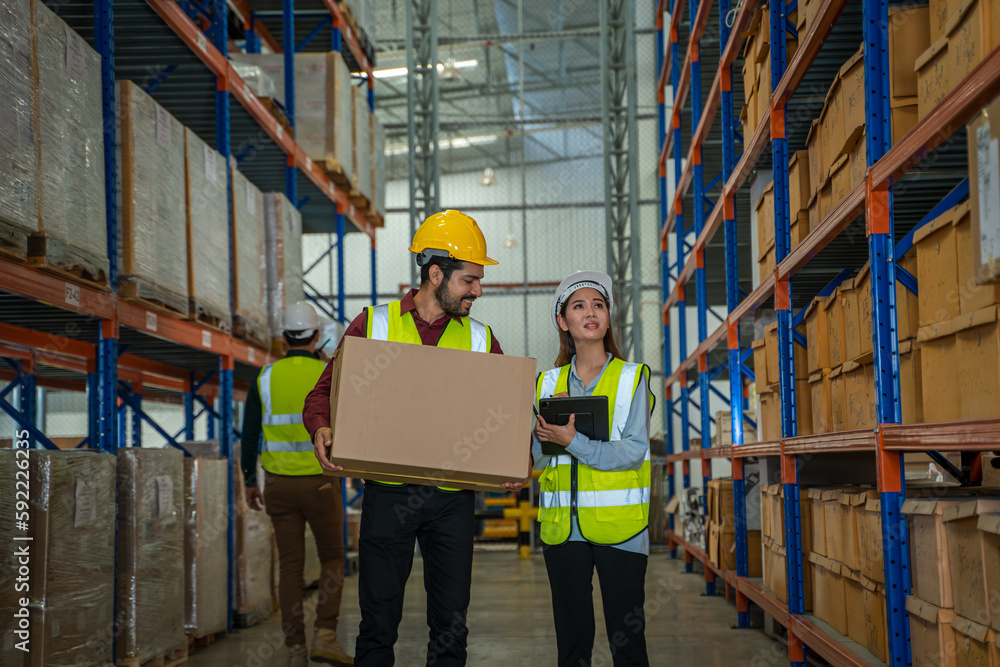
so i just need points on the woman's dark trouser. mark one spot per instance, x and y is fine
(622, 575)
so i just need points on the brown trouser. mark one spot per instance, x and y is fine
(290, 502)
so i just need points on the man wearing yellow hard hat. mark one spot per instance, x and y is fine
(451, 253)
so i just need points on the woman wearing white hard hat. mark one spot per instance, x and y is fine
(594, 502)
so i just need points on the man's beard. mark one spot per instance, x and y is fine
(448, 303)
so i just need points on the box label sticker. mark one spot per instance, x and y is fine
(211, 174)
(72, 295)
(163, 127)
(206, 339)
(280, 131)
(309, 164)
(988, 163)
(85, 512)
(251, 200)
(151, 321)
(250, 355)
(164, 496)
(202, 42)
(76, 64)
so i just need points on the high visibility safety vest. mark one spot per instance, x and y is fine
(611, 506)
(287, 448)
(387, 322)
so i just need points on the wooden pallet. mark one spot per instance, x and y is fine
(352, 23)
(359, 200)
(209, 318)
(13, 242)
(251, 332)
(203, 642)
(40, 253)
(148, 296)
(271, 105)
(175, 657)
(335, 171)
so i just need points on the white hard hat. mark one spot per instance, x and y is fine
(594, 279)
(301, 316)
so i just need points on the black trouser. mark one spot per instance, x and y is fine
(443, 523)
(623, 577)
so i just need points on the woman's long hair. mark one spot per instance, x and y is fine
(567, 346)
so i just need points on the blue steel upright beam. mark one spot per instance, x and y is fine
(339, 220)
(881, 248)
(288, 48)
(783, 304)
(374, 273)
(27, 395)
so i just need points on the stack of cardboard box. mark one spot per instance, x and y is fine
(722, 530)
(775, 548)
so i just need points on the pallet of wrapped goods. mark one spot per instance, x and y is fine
(249, 267)
(377, 214)
(206, 522)
(152, 226)
(150, 556)
(19, 166)
(970, 31)
(253, 558)
(207, 217)
(361, 180)
(283, 254)
(324, 108)
(72, 228)
(70, 594)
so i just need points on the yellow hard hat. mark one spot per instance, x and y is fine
(454, 233)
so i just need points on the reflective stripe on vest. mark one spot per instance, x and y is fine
(612, 506)
(387, 322)
(283, 385)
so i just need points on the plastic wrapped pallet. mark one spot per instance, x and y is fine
(207, 232)
(150, 555)
(254, 76)
(378, 168)
(249, 269)
(362, 179)
(71, 519)
(151, 223)
(283, 252)
(323, 105)
(206, 520)
(71, 140)
(254, 558)
(18, 156)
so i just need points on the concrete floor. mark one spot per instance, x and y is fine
(510, 622)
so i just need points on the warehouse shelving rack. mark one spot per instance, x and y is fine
(883, 220)
(64, 335)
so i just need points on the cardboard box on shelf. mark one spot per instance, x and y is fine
(937, 264)
(849, 298)
(814, 146)
(976, 643)
(838, 400)
(838, 524)
(765, 261)
(938, 361)
(973, 294)
(876, 626)
(984, 173)
(859, 381)
(863, 303)
(776, 576)
(977, 341)
(852, 90)
(870, 541)
(929, 561)
(481, 446)
(798, 182)
(910, 383)
(765, 216)
(905, 114)
(748, 114)
(720, 503)
(831, 120)
(760, 365)
(820, 395)
(989, 528)
(855, 502)
(771, 352)
(799, 228)
(837, 334)
(967, 558)
(857, 159)
(814, 218)
(817, 520)
(803, 406)
(763, 94)
(909, 37)
(769, 420)
(932, 639)
(817, 336)
(907, 303)
(939, 11)
(854, 598)
(829, 595)
(839, 182)
(991, 470)
(724, 430)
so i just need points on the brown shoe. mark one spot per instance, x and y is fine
(327, 650)
(298, 656)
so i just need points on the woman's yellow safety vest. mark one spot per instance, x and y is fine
(284, 385)
(611, 507)
(388, 323)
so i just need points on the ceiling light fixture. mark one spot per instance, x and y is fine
(489, 178)
(398, 72)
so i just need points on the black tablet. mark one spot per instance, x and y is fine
(591, 418)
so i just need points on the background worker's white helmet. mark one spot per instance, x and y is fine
(301, 318)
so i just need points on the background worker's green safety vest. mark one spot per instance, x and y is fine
(387, 322)
(284, 385)
(611, 506)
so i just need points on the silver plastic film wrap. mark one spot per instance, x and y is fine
(259, 81)
(206, 520)
(340, 120)
(150, 554)
(71, 136)
(18, 153)
(152, 235)
(254, 556)
(71, 520)
(283, 252)
(378, 167)
(362, 143)
(207, 231)
(249, 269)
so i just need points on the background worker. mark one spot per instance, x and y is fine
(295, 490)
(451, 253)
